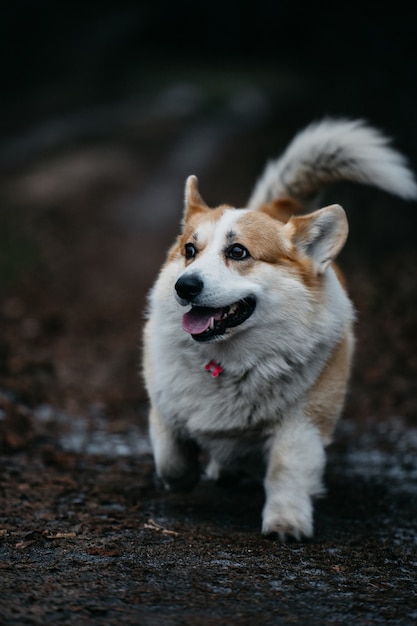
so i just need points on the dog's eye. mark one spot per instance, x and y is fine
(190, 251)
(237, 252)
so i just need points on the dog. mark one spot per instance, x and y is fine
(248, 338)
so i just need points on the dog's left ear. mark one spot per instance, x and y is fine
(320, 235)
(194, 203)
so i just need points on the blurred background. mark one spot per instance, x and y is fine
(107, 107)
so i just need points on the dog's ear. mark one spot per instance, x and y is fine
(194, 203)
(320, 235)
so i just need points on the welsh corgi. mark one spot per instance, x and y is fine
(248, 340)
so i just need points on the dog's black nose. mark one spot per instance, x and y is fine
(188, 287)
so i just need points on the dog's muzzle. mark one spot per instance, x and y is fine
(205, 323)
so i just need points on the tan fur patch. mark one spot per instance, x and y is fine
(326, 398)
(282, 209)
(261, 235)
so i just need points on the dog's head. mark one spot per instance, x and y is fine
(234, 258)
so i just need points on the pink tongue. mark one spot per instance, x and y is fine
(197, 320)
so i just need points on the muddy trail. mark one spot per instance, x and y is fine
(87, 535)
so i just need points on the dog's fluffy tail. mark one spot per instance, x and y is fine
(330, 151)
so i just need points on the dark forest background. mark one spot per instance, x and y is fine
(106, 107)
(356, 59)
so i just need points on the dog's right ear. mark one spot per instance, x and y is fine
(319, 235)
(194, 203)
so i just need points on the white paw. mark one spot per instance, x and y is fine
(213, 470)
(288, 518)
(180, 469)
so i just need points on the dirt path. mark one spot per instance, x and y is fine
(90, 539)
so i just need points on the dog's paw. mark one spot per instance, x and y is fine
(181, 476)
(288, 519)
(184, 481)
(213, 470)
(178, 465)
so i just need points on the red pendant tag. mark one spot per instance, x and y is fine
(214, 368)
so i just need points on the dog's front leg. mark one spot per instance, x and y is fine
(293, 477)
(176, 458)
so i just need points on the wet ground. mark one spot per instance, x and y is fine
(90, 203)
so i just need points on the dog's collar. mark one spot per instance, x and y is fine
(214, 368)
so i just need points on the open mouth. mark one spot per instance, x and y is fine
(205, 323)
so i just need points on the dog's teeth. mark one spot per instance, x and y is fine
(211, 323)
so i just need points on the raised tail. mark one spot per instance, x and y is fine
(329, 151)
